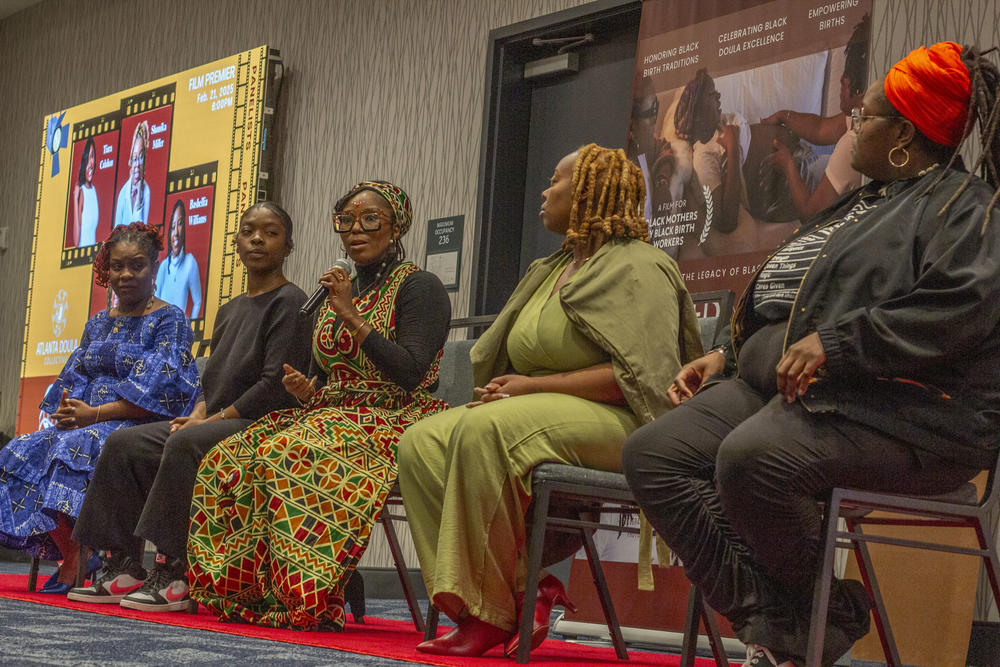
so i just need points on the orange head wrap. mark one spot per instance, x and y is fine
(931, 88)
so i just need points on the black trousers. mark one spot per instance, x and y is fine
(142, 486)
(730, 480)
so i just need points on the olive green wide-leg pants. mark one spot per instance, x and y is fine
(465, 477)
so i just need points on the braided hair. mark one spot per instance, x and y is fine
(147, 237)
(608, 192)
(686, 115)
(984, 78)
(856, 56)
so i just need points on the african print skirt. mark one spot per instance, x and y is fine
(283, 511)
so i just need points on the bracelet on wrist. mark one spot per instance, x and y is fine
(355, 332)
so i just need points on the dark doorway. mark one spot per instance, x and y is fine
(529, 125)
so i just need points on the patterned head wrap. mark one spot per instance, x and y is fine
(931, 88)
(393, 194)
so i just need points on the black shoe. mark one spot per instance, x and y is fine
(354, 595)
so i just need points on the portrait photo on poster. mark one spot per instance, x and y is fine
(143, 156)
(181, 277)
(91, 190)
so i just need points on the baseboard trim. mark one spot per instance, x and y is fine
(382, 583)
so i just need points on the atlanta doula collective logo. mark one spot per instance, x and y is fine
(56, 352)
(59, 308)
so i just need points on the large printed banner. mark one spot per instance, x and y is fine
(706, 75)
(182, 152)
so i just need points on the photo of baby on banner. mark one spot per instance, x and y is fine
(735, 160)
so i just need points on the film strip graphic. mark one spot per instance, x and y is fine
(191, 178)
(148, 100)
(244, 154)
(86, 129)
(31, 270)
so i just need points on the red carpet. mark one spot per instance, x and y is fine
(377, 637)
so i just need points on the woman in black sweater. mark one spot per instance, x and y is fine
(141, 488)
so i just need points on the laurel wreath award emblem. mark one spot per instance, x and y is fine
(708, 214)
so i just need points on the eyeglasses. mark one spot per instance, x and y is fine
(371, 220)
(858, 114)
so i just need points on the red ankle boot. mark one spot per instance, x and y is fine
(470, 638)
(550, 593)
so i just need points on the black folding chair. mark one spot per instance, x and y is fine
(959, 509)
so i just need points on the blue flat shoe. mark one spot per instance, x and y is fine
(58, 589)
(51, 581)
(94, 564)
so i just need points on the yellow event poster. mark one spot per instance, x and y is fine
(187, 153)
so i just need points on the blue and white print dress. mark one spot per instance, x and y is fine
(143, 359)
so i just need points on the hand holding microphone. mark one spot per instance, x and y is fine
(335, 283)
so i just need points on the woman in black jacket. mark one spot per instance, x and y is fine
(868, 355)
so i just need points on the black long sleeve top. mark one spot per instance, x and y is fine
(252, 338)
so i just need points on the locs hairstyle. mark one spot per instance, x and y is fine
(685, 117)
(147, 237)
(608, 191)
(984, 110)
(856, 56)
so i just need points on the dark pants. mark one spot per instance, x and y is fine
(730, 479)
(142, 486)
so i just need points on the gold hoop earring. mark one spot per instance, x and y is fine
(906, 160)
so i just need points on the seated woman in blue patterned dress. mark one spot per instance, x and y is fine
(133, 365)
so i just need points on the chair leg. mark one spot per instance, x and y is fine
(880, 615)
(534, 564)
(714, 638)
(991, 561)
(33, 574)
(81, 566)
(697, 611)
(431, 626)
(691, 619)
(404, 575)
(821, 593)
(602, 591)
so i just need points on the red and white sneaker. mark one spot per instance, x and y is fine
(165, 589)
(120, 576)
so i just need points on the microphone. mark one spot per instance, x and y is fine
(313, 302)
